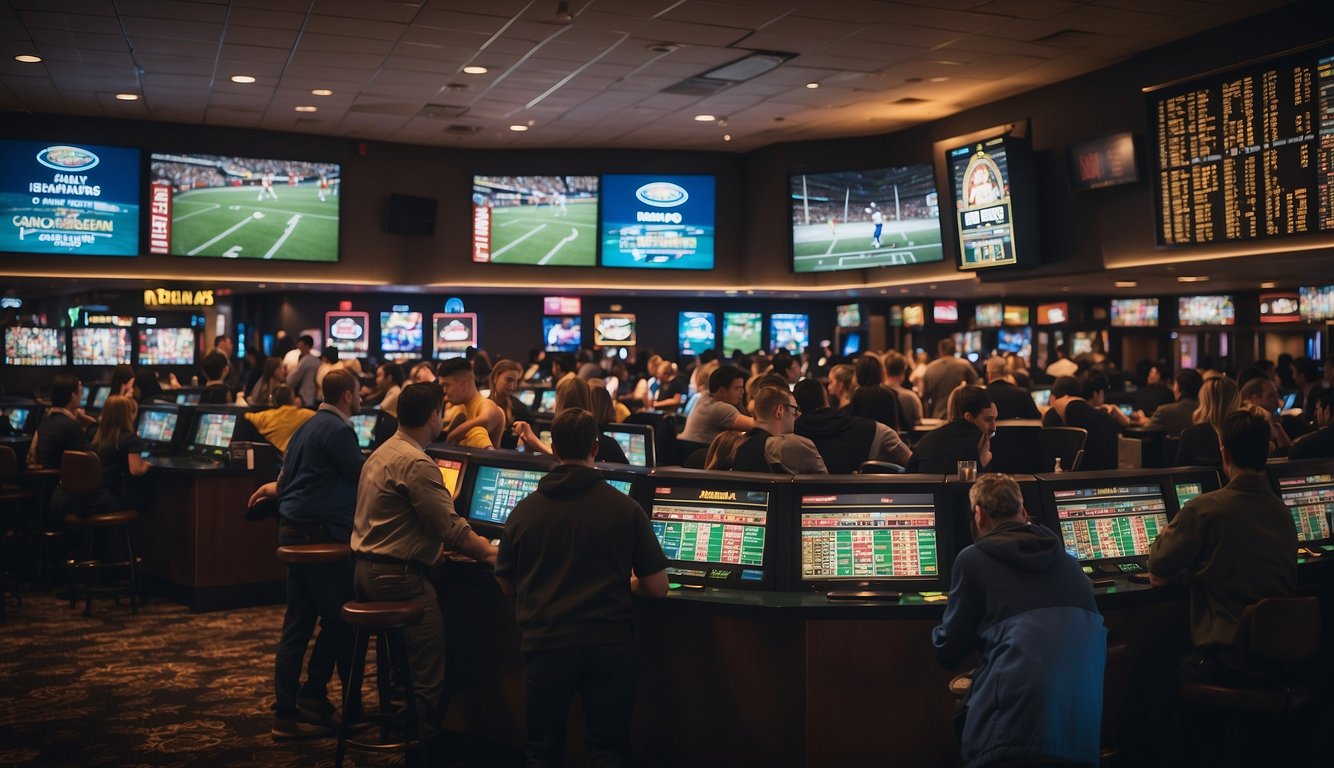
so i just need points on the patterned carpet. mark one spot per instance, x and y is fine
(163, 688)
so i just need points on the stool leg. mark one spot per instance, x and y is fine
(412, 740)
(134, 573)
(352, 693)
(384, 666)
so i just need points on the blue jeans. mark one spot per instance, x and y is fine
(313, 592)
(604, 677)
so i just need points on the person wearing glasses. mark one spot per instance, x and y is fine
(771, 445)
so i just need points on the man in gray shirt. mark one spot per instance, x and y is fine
(717, 410)
(910, 405)
(942, 376)
(302, 378)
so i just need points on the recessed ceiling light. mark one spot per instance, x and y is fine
(306, 108)
(1126, 283)
(242, 79)
(705, 118)
(28, 58)
(727, 137)
(1268, 284)
(1192, 278)
(812, 86)
(127, 96)
(475, 70)
(518, 128)
(321, 92)
(939, 79)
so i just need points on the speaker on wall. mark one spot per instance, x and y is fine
(409, 215)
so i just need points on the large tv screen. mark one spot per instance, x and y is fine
(789, 331)
(988, 185)
(349, 333)
(543, 220)
(696, 332)
(453, 333)
(34, 346)
(243, 208)
(1206, 310)
(884, 217)
(1134, 313)
(1316, 303)
(401, 333)
(1284, 307)
(101, 346)
(68, 199)
(562, 334)
(166, 346)
(660, 221)
(742, 332)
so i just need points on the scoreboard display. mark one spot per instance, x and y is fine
(1239, 156)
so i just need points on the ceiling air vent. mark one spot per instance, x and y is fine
(440, 111)
(458, 129)
(697, 86)
(908, 101)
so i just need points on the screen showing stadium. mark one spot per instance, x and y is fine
(349, 333)
(562, 305)
(981, 183)
(453, 333)
(884, 217)
(1053, 314)
(945, 312)
(69, 200)
(742, 331)
(243, 208)
(1316, 303)
(659, 222)
(34, 346)
(364, 426)
(695, 332)
(1134, 313)
(849, 315)
(496, 490)
(613, 329)
(1310, 499)
(166, 346)
(1108, 522)
(1280, 307)
(1206, 310)
(214, 430)
(543, 220)
(789, 331)
(401, 333)
(157, 426)
(868, 536)
(562, 334)
(101, 346)
(704, 530)
(988, 315)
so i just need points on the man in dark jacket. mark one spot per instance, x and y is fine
(967, 438)
(1175, 418)
(844, 440)
(1071, 407)
(1020, 600)
(1318, 444)
(574, 552)
(1011, 401)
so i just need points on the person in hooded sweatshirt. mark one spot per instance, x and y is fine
(843, 440)
(1020, 600)
(574, 552)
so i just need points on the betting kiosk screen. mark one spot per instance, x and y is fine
(496, 491)
(213, 432)
(157, 426)
(364, 426)
(349, 333)
(101, 346)
(451, 474)
(166, 346)
(18, 418)
(866, 535)
(34, 346)
(1309, 496)
(714, 531)
(636, 440)
(1116, 521)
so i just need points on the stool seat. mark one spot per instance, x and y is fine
(1276, 699)
(314, 554)
(42, 472)
(384, 615)
(107, 520)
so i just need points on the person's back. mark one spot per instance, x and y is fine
(941, 378)
(1012, 402)
(60, 429)
(1100, 447)
(278, 424)
(878, 404)
(843, 440)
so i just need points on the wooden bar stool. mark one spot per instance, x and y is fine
(13, 499)
(386, 620)
(81, 478)
(313, 554)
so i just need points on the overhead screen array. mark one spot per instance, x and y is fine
(1239, 156)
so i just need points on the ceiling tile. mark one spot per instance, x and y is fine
(140, 26)
(264, 17)
(214, 13)
(339, 43)
(260, 36)
(363, 28)
(400, 12)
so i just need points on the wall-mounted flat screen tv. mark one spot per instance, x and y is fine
(1105, 161)
(1316, 303)
(34, 346)
(789, 331)
(69, 199)
(988, 315)
(166, 346)
(542, 220)
(945, 312)
(742, 331)
(1134, 313)
(100, 346)
(401, 333)
(849, 315)
(992, 191)
(453, 333)
(658, 221)
(349, 333)
(881, 217)
(696, 332)
(562, 334)
(613, 329)
(1206, 310)
(243, 207)
(1282, 307)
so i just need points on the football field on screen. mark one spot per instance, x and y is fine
(531, 234)
(233, 223)
(817, 248)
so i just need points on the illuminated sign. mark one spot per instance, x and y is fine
(165, 297)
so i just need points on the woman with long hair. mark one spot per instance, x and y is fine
(1199, 444)
(504, 381)
(274, 375)
(573, 392)
(118, 449)
(870, 398)
(840, 386)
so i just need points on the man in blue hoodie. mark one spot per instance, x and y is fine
(1020, 600)
(574, 552)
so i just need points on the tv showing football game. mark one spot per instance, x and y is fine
(69, 199)
(696, 332)
(1316, 303)
(34, 346)
(542, 220)
(659, 221)
(1282, 307)
(243, 208)
(849, 315)
(1134, 313)
(988, 315)
(883, 217)
(349, 333)
(401, 333)
(453, 333)
(101, 346)
(562, 334)
(613, 329)
(988, 183)
(742, 331)
(789, 331)
(1206, 310)
(166, 346)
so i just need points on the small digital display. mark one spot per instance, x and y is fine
(1102, 162)
(101, 346)
(1206, 310)
(166, 346)
(696, 332)
(868, 536)
(562, 334)
(945, 312)
(215, 430)
(1280, 308)
(1015, 314)
(18, 418)
(742, 331)
(101, 395)
(363, 424)
(849, 315)
(658, 222)
(1134, 313)
(1310, 499)
(624, 486)
(789, 331)
(697, 526)
(349, 333)
(635, 446)
(1108, 522)
(914, 315)
(1053, 314)
(1041, 397)
(401, 333)
(527, 396)
(1316, 303)
(538, 220)
(69, 200)
(548, 402)
(497, 490)
(451, 474)
(189, 398)
(988, 315)
(562, 305)
(1187, 491)
(157, 426)
(34, 346)
(453, 333)
(613, 330)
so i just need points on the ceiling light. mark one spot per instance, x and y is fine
(812, 86)
(727, 137)
(939, 79)
(306, 108)
(127, 96)
(321, 92)
(1268, 284)
(28, 58)
(475, 70)
(518, 128)
(750, 67)
(1192, 278)
(705, 118)
(1126, 283)
(242, 79)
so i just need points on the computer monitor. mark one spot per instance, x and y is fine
(1307, 489)
(548, 402)
(1107, 520)
(636, 440)
(527, 396)
(871, 532)
(213, 433)
(18, 417)
(1041, 397)
(1190, 482)
(157, 426)
(451, 473)
(100, 397)
(364, 425)
(496, 484)
(189, 398)
(627, 480)
(714, 527)
(961, 526)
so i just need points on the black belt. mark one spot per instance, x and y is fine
(413, 565)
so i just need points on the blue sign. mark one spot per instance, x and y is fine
(658, 222)
(66, 199)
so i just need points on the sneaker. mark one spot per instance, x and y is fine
(319, 711)
(292, 728)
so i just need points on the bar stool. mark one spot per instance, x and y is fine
(81, 477)
(13, 498)
(43, 480)
(386, 620)
(313, 554)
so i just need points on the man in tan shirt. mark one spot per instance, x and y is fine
(405, 522)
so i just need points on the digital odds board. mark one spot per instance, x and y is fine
(657, 222)
(69, 199)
